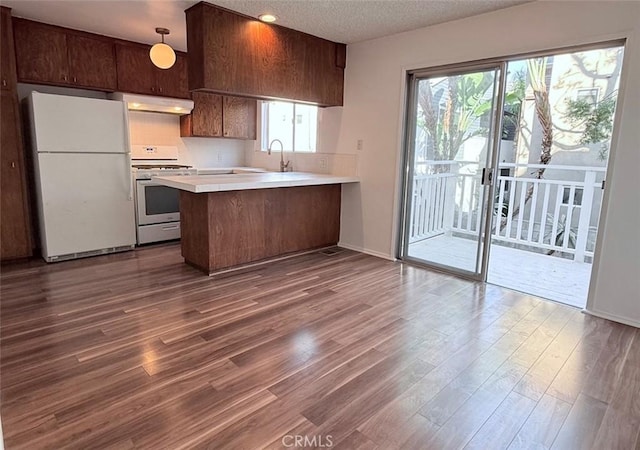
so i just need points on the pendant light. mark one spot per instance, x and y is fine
(161, 54)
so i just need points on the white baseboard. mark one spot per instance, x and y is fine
(612, 317)
(366, 251)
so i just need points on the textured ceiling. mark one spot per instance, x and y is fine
(351, 21)
(345, 21)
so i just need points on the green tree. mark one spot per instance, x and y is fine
(596, 121)
(464, 103)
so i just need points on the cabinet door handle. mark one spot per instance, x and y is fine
(75, 80)
(13, 164)
(64, 77)
(153, 89)
(160, 89)
(4, 82)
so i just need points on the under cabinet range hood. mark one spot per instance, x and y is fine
(149, 103)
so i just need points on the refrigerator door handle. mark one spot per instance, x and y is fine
(127, 146)
(128, 173)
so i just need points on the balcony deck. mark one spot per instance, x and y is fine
(549, 277)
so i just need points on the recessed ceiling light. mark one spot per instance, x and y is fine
(269, 18)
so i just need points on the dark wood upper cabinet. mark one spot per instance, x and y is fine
(135, 69)
(217, 115)
(15, 234)
(174, 82)
(41, 53)
(91, 62)
(239, 117)
(137, 74)
(234, 54)
(49, 54)
(206, 118)
(7, 57)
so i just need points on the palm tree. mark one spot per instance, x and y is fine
(465, 102)
(537, 76)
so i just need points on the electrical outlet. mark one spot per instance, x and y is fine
(323, 163)
(360, 144)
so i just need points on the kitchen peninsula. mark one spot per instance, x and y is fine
(228, 220)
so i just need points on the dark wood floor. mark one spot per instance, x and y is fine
(138, 350)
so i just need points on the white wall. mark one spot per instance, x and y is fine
(164, 129)
(374, 104)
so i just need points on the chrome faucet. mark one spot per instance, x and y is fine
(283, 167)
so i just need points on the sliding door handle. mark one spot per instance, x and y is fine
(487, 176)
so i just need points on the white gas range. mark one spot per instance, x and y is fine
(157, 206)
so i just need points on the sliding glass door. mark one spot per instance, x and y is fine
(505, 168)
(449, 151)
(549, 185)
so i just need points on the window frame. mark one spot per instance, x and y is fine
(591, 90)
(264, 127)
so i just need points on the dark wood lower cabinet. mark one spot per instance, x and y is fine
(15, 239)
(227, 229)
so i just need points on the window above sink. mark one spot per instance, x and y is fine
(294, 124)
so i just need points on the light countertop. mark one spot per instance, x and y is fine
(229, 170)
(242, 181)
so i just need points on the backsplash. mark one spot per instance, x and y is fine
(147, 128)
(329, 163)
(164, 129)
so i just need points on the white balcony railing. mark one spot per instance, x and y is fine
(560, 215)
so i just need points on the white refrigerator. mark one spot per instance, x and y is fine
(83, 175)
